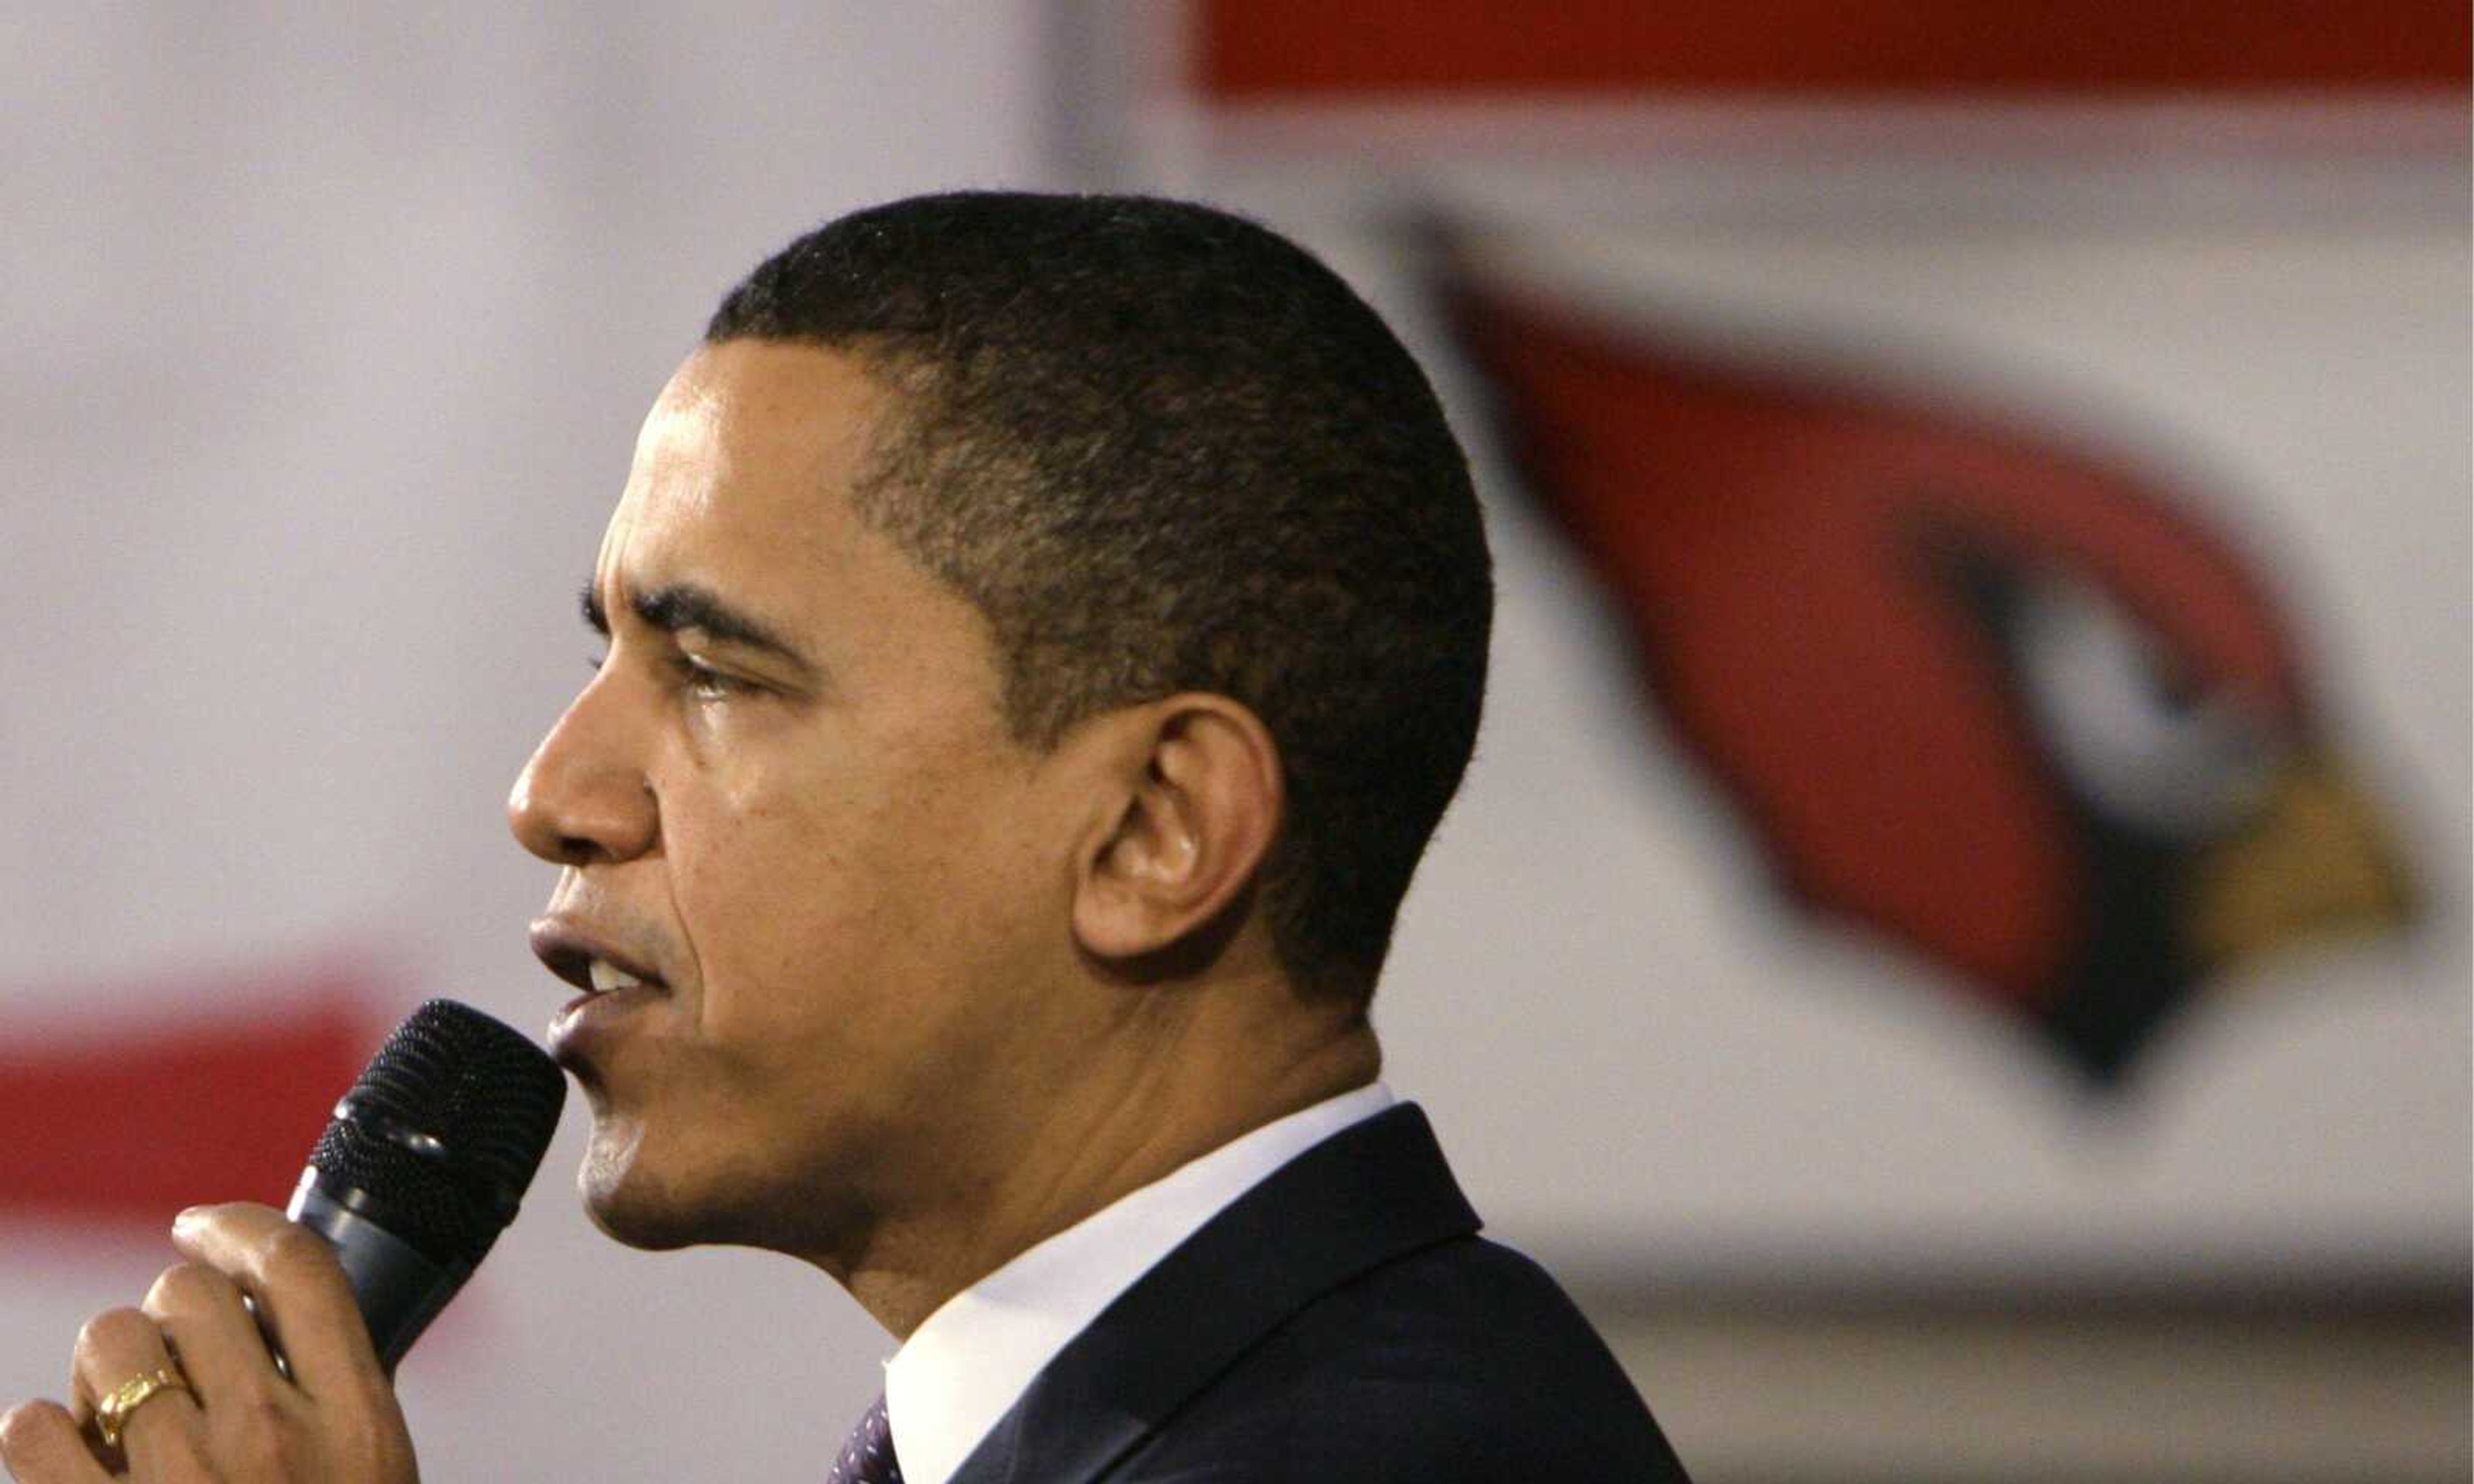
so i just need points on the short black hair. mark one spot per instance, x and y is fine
(1162, 449)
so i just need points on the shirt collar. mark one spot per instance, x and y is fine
(968, 1362)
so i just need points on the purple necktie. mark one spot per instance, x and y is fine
(867, 1455)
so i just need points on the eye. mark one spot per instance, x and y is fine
(705, 683)
(2137, 739)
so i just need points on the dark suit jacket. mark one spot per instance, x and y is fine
(1341, 1322)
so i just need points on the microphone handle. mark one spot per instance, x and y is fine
(398, 1289)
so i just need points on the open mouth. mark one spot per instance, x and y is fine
(577, 957)
(603, 976)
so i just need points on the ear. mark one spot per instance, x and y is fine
(1199, 802)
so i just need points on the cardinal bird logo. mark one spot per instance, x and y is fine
(2002, 702)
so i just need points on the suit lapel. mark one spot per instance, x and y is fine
(1369, 1194)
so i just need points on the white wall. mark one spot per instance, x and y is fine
(327, 334)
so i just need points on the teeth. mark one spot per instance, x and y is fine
(607, 977)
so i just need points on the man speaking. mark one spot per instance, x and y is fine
(1042, 634)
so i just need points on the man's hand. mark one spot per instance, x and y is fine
(333, 1421)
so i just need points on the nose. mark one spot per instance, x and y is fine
(585, 796)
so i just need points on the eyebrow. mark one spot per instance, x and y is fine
(687, 606)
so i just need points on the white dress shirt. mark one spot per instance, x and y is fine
(967, 1363)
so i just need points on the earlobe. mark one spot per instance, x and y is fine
(1201, 804)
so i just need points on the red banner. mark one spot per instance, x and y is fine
(134, 1124)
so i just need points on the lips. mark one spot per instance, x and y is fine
(616, 979)
(588, 960)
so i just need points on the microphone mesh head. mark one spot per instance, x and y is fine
(443, 1131)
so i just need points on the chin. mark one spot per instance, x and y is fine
(641, 1200)
(627, 1206)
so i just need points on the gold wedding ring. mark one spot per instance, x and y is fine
(111, 1413)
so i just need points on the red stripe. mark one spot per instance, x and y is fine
(1251, 51)
(137, 1124)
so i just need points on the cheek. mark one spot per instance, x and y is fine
(787, 890)
(766, 901)
(853, 900)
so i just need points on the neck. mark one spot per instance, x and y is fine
(1233, 1063)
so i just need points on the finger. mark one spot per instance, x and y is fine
(40, 1444)
(292, 1276)
(213, 1336)
(119, 1346)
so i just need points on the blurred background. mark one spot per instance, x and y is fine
(1956, 944)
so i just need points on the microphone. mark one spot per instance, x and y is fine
(424, 1162)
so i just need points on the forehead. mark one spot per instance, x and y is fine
(741, 488)
(752, 442)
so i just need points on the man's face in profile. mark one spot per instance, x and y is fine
(787, 800)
